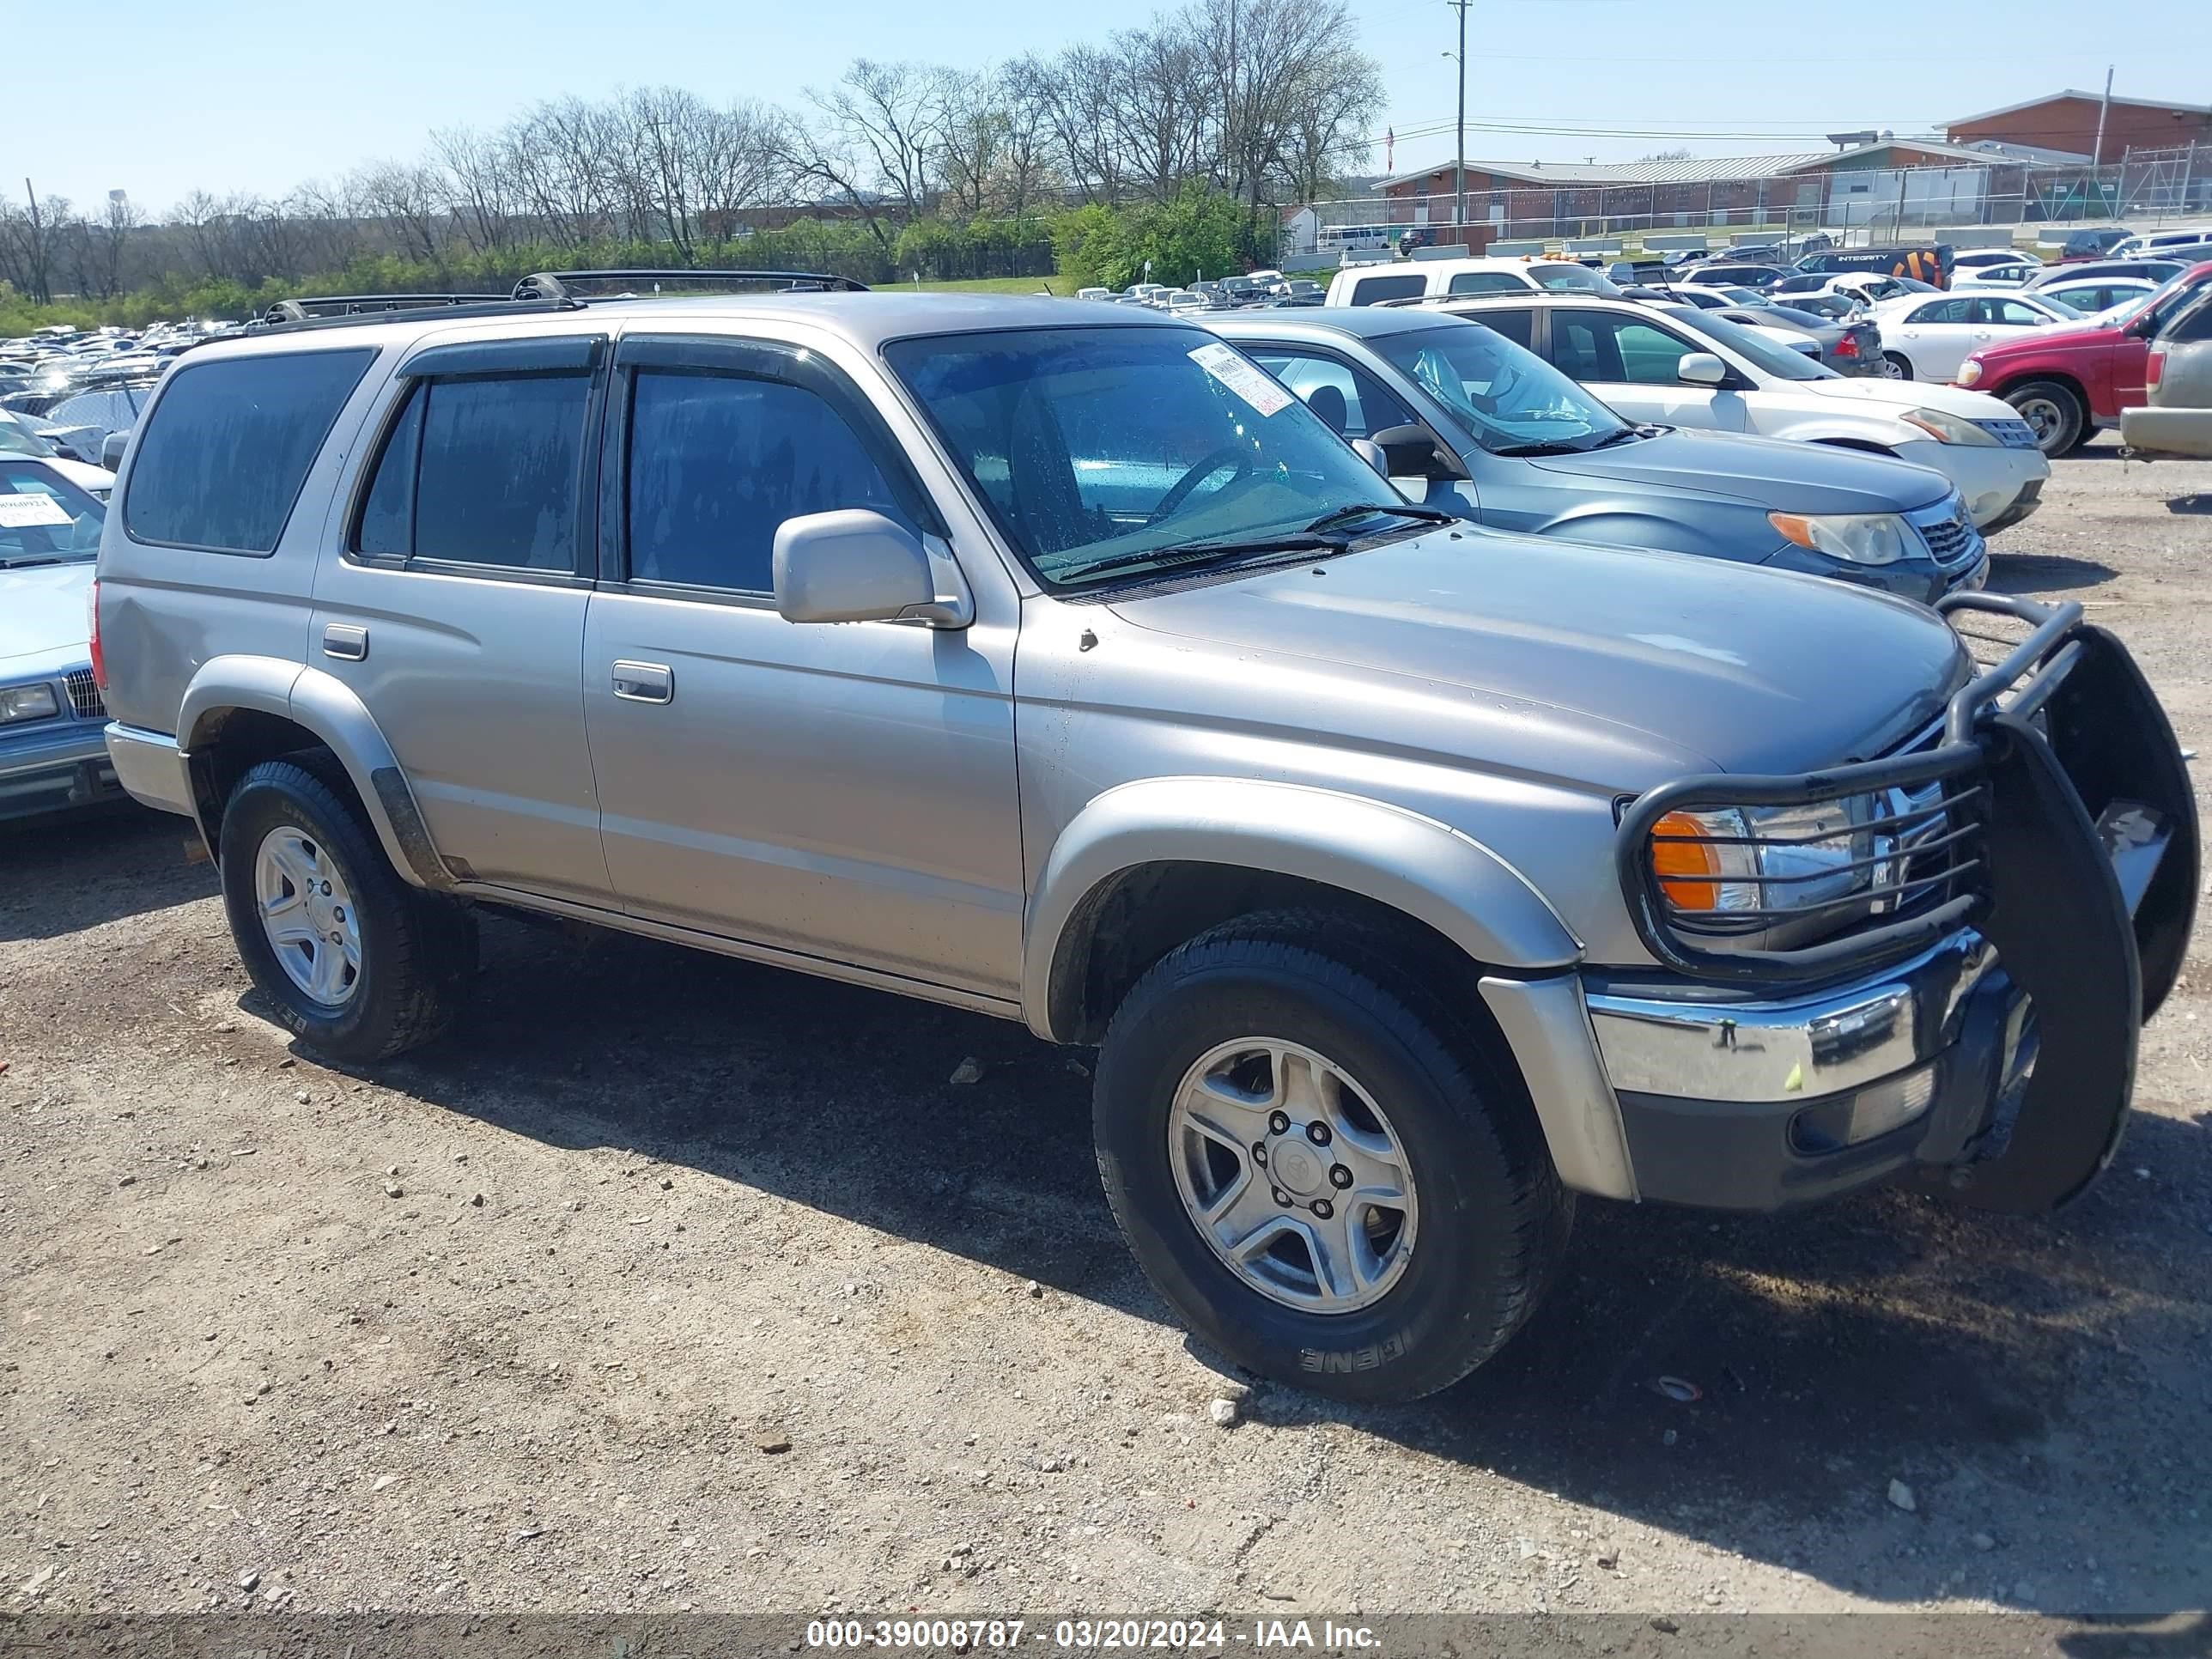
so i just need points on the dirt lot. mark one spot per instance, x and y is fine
(675, 1282)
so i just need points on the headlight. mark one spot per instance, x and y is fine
(1970, 371)
(26, 702)
(1946, 429)
(1861, 537)
(1739, 861)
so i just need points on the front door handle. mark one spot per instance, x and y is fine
(645, 682)
(345, 642)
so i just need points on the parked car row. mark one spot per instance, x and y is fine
(1260, 287)
(1415, 867)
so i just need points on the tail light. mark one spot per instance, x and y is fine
(1848, 346)
(2152, 369)
(92, 626)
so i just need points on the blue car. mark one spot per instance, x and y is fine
(52, 749)
(1470, 422)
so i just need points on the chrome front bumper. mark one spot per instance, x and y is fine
(1753, 1102)
(61, 766)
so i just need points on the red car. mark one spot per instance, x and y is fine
(2067, 381)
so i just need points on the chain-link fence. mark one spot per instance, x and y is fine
(1844, 197)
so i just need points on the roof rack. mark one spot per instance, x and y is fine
(352, 310)
(347, 305)
(561, 284)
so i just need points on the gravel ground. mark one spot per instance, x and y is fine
(680, 1283)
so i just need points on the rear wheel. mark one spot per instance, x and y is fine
(1896, 366)
(2054, 413)
(1330, 1179)
(358, 964)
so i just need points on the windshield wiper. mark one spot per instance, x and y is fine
(1625, 433)
(1545, 447)
(1361, 509)
(1190, 553)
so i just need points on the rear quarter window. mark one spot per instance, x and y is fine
(228, 446)
(1370, 290)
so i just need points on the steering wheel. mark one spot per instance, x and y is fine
(1240, 454)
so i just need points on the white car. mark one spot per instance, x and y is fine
(1430, 279)
(1926, 336)
(2158, 241)
(1677, 366)
(2093, 295)
(2006, 270)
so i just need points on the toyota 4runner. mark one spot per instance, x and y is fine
(1053, 661)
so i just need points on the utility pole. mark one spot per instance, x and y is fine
(2104, 105)
(1459, 152)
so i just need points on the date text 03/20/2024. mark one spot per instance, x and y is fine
(1147, 1635)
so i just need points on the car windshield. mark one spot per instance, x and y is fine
(1769, 356)
(1506, 396)
(1562, 277)
(44, 518)
(1105, 452)
(17, 439)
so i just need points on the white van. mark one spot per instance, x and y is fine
(1416, 279)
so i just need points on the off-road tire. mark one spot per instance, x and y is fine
(1493, 1218)
(418, 949)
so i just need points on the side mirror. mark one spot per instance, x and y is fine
(1701, 369)
(1372, 453)
(854, 565)
(111, 450)
(1411, 452)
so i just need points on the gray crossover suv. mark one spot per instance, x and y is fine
(1469, 421)
(1050, 660)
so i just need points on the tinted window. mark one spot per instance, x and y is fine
(1943, 311)
(1597, 345)
(1368, 289)
(1518, 326)
(229, 444)
(717, 463)
(492, 463)
(387, 515)
(1486, 282)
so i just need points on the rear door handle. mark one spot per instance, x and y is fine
(645, 682)
(345, 642)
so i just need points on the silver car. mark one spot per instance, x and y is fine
(1412, 879)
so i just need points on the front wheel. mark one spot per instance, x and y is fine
(2054, 413)
(1329, 1177)
(358, 964)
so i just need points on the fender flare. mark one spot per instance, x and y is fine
(328, 708)
(1427, 870)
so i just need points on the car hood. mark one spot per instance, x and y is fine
(1895, 397)
(1687, 659)
(43, 625)
(1777, 473)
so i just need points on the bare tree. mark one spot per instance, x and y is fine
(408, 196)
(30, 243)
(882, 128)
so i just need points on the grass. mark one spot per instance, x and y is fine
(1058, 285)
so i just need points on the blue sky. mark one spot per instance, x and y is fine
(231, 96)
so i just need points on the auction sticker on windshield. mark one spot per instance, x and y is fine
(22, 512)
(1244, 377)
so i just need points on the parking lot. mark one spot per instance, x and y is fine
(674, 1281)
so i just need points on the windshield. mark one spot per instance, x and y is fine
(1562, 277)
(1767, 355)
(44, 519)
(1099, 446)
(17, 439)
(1506, 396)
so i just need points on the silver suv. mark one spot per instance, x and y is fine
(1053, 661)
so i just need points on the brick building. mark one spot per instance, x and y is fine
(2067, 121)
